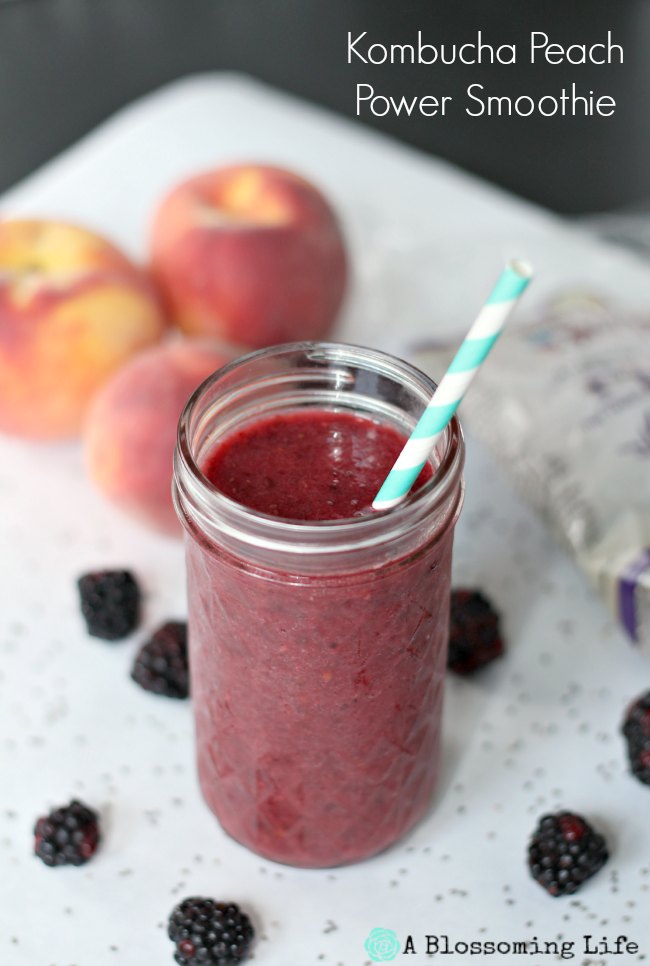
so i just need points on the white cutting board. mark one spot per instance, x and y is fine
(536, 731)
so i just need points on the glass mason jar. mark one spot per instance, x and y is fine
(317, 649)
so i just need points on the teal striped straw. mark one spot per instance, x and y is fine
(454, 384)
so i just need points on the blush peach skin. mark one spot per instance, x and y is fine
(251, 254)
(130, 430)
(72, 309)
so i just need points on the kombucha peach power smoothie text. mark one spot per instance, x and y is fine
(540, 50)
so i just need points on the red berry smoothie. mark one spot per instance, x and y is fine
(317, 696)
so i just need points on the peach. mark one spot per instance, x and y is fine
(72, 309)
(130, 430)
(251, 254)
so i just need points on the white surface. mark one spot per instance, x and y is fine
(538, 730)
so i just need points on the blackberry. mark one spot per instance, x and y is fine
(564, 852)
(68, 835)
(110, 603)
(209, 933)
(474, 635)
(161, 665)
(636, 728)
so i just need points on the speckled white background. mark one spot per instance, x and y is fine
(536, 731)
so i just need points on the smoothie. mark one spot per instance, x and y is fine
(317, 696)
(307, 465)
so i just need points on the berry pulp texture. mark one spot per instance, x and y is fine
(317, 698)
(308, 465)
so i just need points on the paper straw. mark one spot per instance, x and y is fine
(454, 384)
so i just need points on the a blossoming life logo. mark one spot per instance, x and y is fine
(382, 945)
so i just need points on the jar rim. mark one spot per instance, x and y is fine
(208, 504)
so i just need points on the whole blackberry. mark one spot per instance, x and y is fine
(474, 635)
(110, 603)
(209, 933)
(68, 835)
(636, 728)
(161, 665)
(564, 852)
